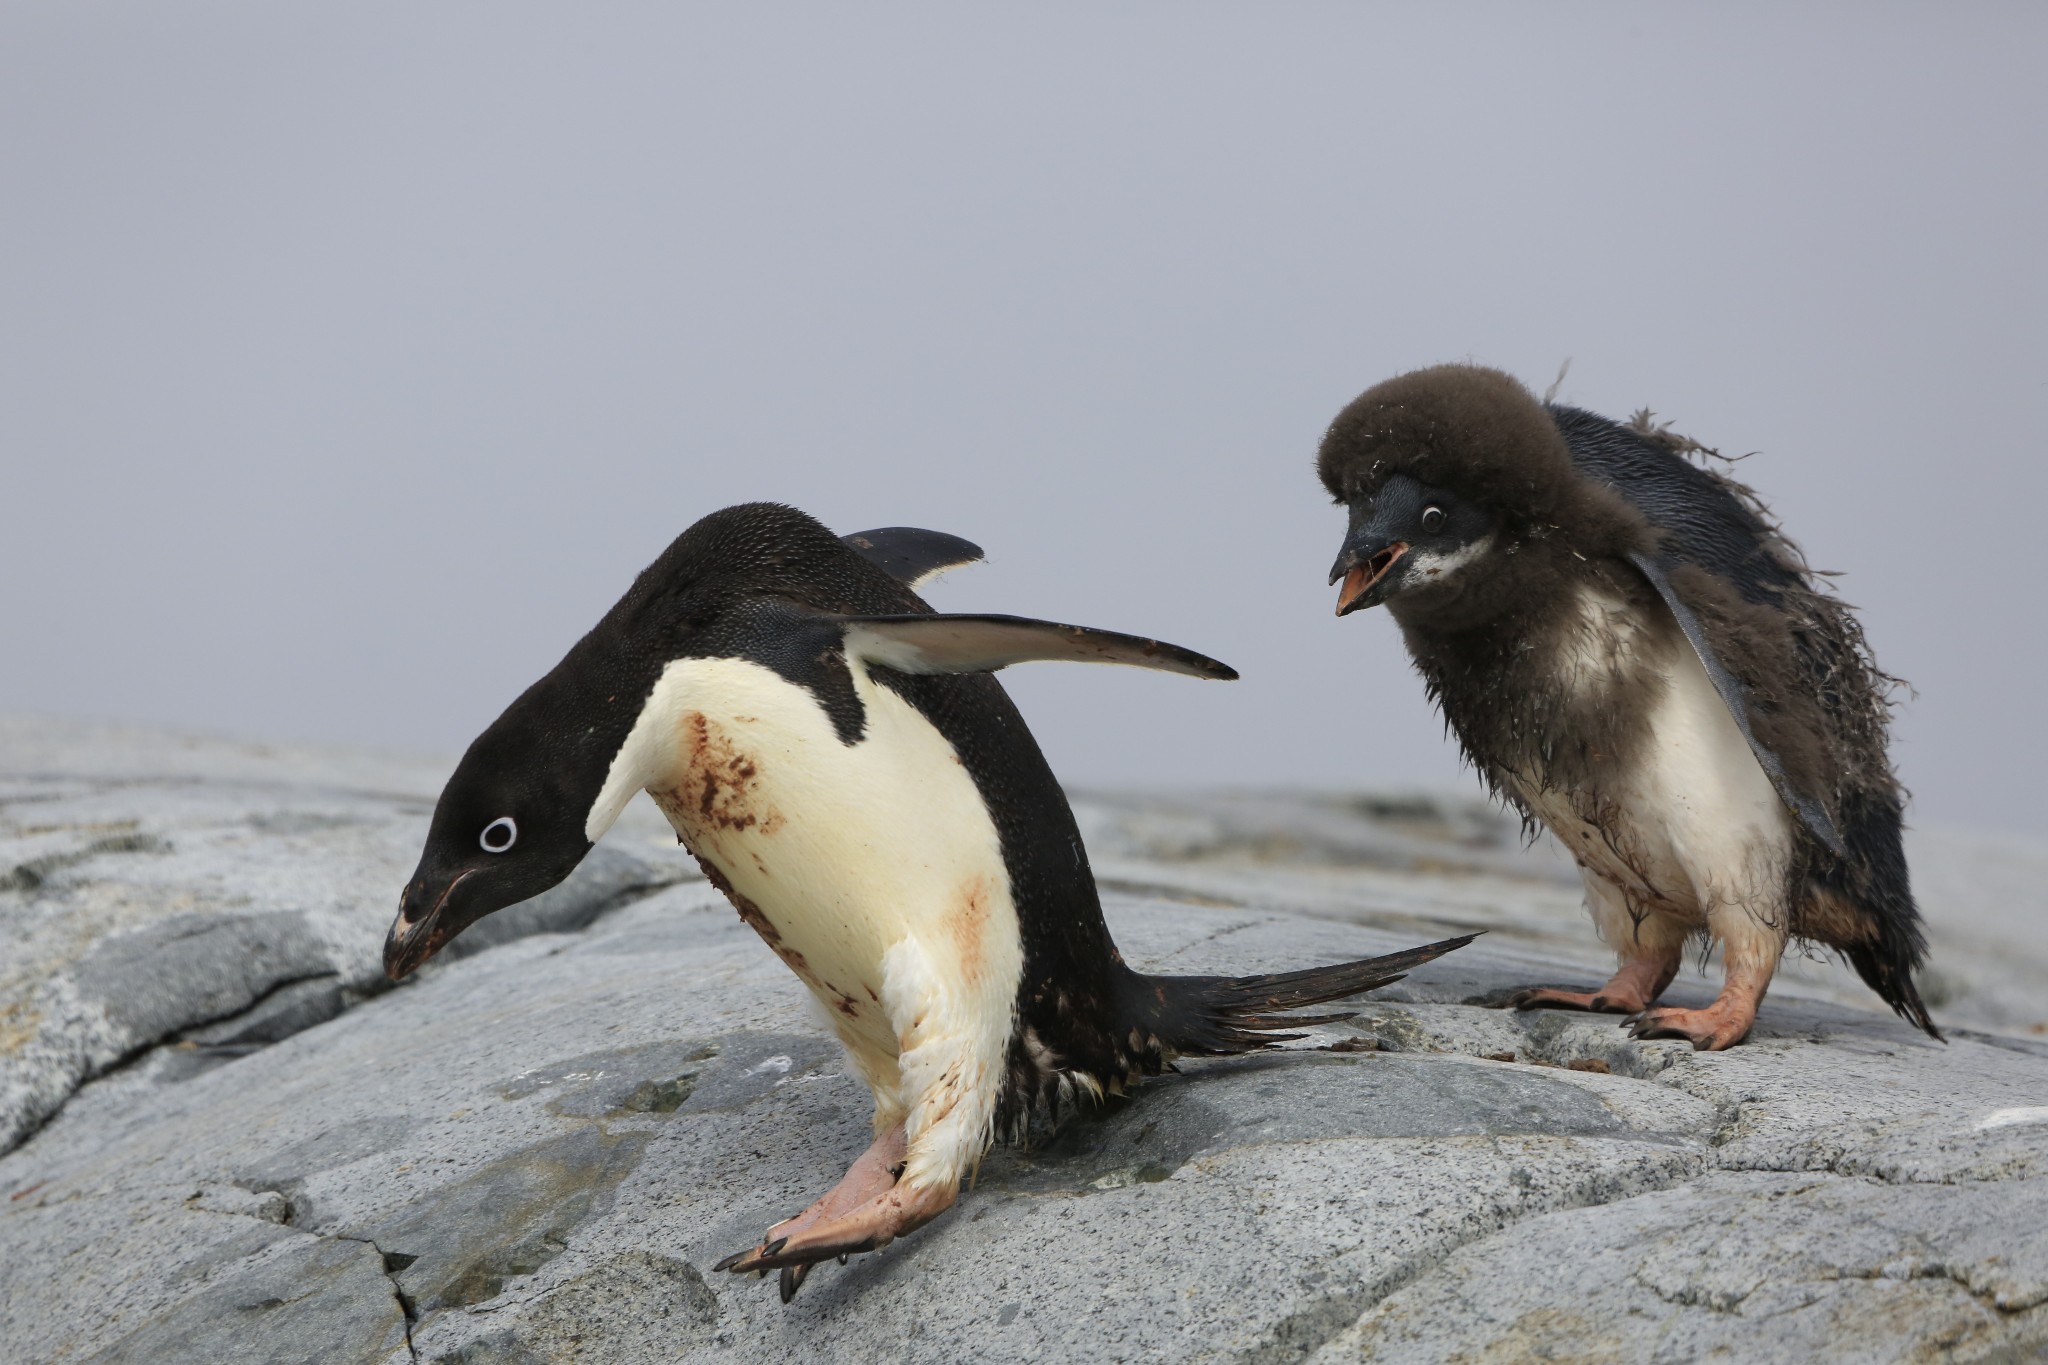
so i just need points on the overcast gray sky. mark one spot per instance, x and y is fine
(353, 357)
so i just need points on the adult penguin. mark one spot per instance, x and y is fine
(839, 761)
(1633, 655)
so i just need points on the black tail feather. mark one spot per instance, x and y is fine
(1875, 882)
(1890, 974)
(1216, 1016)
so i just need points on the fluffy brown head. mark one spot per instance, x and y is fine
(1465, 501)
(1478, 433)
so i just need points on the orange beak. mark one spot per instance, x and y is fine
(1363, 576)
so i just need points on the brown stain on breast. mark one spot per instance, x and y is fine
(720, 787)
(756, 920)
(968, 925)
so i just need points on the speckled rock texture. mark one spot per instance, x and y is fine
(228, 1143)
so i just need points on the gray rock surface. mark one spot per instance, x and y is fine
(534, 1152)
(156, 888)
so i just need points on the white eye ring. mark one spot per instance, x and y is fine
(1432, 518)
(499, 835)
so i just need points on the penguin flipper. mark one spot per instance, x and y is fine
(1810, 812)
(982, 644)
(910, 555)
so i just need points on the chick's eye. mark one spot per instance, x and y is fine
(499, 835)
(1432, 519)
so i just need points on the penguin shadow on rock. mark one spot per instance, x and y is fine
(1634, 656)
(841, 763)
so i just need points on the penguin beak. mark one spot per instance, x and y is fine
(1364, 568)
(422, 927)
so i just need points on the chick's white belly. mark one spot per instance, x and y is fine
(1696, 827)
(837, 853)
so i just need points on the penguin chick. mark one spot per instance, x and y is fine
(837, 758)
(1633, 655)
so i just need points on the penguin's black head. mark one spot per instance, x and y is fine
(1442, 470)
(510, 825)
(523, 806)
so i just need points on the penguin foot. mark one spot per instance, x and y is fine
(1632, 989)
(863, 1212)
(871, 1175)
(1607, 1000)
(1720, 1025)
(867, 1227)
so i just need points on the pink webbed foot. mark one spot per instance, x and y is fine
(865, 1211)
(1607, 1000)
(1631, 990)
(867, 1227)
(1720, 1025)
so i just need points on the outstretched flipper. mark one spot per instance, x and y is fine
(983, 644)
(1810, 812)
(911, 555)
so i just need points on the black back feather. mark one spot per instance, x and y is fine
(1702, 518)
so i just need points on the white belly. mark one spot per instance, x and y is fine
(837, 853)
(1696, 827)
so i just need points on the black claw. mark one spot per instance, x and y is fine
(842, 1258)
(791, 1281)
(729, 1262)
(778, 1244)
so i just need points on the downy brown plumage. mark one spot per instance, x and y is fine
(1632, 653)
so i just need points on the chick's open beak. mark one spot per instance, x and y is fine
(1360, 575)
